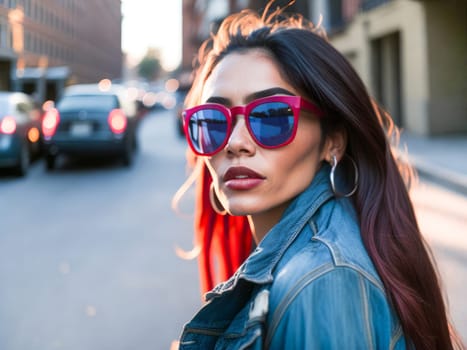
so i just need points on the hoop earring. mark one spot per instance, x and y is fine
(215, 203)
(333, 180)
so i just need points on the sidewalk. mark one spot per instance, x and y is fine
(439, 159)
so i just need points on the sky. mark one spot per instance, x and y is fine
(152, 24)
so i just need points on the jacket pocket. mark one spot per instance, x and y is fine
(246, 332)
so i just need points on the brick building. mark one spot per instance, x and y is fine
(46, 44)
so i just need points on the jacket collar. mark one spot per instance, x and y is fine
(259, 266)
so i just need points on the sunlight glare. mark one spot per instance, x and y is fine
(152, 24)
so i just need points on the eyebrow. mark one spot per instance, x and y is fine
(253, 96)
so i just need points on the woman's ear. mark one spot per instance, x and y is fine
(334, 145)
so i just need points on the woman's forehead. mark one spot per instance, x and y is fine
(240, 74)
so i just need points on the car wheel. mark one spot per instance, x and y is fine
(50, 161)
(24, 159)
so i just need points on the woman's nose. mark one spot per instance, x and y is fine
(240, 140)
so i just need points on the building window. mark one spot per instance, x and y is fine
(335, 15)
(2, 29)
(27, 7)
(5, 34)
(386, 73)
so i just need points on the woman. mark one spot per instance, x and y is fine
(291, 149)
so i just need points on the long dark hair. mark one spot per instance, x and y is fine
(388, 224)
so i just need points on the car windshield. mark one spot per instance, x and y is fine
(89, 102)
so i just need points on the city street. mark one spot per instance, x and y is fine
(88, 252)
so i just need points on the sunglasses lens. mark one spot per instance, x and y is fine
(207, 130)
(272, 123)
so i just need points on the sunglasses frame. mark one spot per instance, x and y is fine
(297, 103)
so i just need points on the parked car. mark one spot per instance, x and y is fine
(91, 120)
(20, 137)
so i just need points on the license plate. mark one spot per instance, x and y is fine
(81, 129)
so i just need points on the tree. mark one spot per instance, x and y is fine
(150, 66)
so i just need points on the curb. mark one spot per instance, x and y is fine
(445, 177)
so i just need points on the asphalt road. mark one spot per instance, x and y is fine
(87, 252)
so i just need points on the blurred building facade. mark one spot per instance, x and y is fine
(46, 44)
(411, 54)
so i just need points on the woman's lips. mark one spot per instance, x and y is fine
(242, 178)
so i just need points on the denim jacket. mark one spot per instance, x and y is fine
(309, 284)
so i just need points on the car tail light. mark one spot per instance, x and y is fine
(50, 122)
(8, 125)
(117, 121)
(33, 135)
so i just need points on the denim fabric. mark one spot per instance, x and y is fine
(308, 285)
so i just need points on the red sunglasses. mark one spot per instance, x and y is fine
(271, 121)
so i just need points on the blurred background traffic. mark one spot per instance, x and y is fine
(90, 105)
